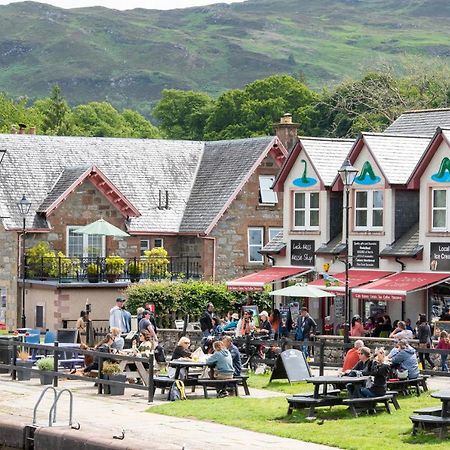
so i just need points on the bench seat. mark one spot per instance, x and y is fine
(311, 394)
(301, 402)
(219, 384)
(431, 410)
(404, 386)
(428, 421)
(367, 404)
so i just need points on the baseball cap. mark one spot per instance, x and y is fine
(264, 313)
(120, 299)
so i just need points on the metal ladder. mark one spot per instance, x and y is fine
(30, 429)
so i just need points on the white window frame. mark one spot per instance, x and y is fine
(142, 249)
(369, 209)
(273, 231)
(307, 209)
(260, 246)
(440, 208)
(85, 238)
(267, 196)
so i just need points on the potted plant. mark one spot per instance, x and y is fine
(158, 262)
(93, 271)
(135, 269)
(25, 364)
(46, 365)
(114, 267)
(41, 261)
(113, 372)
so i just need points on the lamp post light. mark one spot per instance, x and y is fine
(348, 174)
(24, 206)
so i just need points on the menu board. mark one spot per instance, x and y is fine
(440, 256)
(302, 253)
(366, 254)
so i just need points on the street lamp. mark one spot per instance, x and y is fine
(24, 206)
(348, 174)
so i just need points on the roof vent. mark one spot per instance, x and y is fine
(166, 203)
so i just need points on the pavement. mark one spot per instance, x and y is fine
(110, 415)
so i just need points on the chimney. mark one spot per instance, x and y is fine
(13, 130)
(286, 131)
(22, 127)
(32, 130)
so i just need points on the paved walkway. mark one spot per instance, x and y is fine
(109, 415)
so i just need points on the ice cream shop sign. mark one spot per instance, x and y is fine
(440, 256)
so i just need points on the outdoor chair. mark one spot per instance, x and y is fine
(50, 337)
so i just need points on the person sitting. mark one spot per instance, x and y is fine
(221, 365)
(231, 325)
(352, 356)
(379, 370)
(275, 321)
(146, 344)
(357, 328)
(403, 357)
(182, 349)
(400, 332)
(235, 355)
(384, 327)
(118, 340)
(361, 368)
(245, 325)
(103, 346)
(264, 324)
(217, 330)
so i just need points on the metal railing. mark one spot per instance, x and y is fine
(97, 269)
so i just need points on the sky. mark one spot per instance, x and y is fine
(128, 4)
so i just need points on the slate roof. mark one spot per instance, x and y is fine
(275, 245)
(422, 122)
(406, 245)
(333, 247)
(327, 155)
(40, 167)
(222, 169)
(396, 155)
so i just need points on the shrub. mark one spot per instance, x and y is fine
(46, 364)
(114, 265)
(110, 368)
(23, 355)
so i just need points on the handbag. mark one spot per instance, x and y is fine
(369, 383)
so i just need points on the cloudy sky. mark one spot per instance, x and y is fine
(128, 4)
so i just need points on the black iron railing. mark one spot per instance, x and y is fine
(96, 269)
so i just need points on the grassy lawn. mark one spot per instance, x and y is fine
(335, 427)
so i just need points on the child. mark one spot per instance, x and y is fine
(443, 344)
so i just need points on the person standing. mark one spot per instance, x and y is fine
(145, 324)
(424, 337)
(443, 344)
(245, 326)
(116, 316)
(206, 323)
(264, 325)
(126, 319)
(306, 327)
(81, 328)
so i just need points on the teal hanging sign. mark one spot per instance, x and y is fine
(304, 180)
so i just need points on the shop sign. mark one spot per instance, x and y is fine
(366, 254)
(440, 256)
(302, 253)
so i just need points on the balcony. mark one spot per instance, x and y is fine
(96, 269)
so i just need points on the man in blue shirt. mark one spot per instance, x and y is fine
(235, 355)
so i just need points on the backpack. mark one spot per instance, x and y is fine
(177, 391)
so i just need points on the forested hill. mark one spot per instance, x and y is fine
(128, 57)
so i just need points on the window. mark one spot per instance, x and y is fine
(255, 244)
(369, 209)
(273, 232)
(266, 194)
(159, 243)
(439, 209)
(84, 245)
(306, 210)
(145, 245)
(39, 316)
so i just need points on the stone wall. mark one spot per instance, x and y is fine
(169, 338)
(244, 212)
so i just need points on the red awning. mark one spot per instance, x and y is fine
(355, 278)
(256, 281)
(397, 286)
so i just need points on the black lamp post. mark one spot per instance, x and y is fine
(348, 174)
(24, 206)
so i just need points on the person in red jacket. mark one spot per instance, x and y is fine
(352, 357)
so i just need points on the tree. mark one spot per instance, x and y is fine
(183, 114)
(13, 112)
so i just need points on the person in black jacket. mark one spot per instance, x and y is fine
(424, 337)
(206, 323)
(379, 370)
(361, 368)
(264, 325)
(306, 327)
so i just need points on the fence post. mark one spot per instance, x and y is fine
(14, 360)
(185, 324)
(100, 375)
(151, 386)
(321, 357)
(55, 363)
(187, 268)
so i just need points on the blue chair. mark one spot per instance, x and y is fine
(50, 337)
(33, 339)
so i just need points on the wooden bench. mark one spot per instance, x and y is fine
(219, 385)
(394, 400)
(163, 383)
(431, 410)
(311, 394)
(311, 403)
(427, 421)
(242, 381)
(404, 386)
(367, 404)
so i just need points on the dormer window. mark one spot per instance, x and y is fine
(440, 210)
(266, 194)
(369, 210)
(306, 211)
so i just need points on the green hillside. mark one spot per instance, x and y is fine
(128, 57)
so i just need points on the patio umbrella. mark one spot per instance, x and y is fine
(302, 290)
(101, 228)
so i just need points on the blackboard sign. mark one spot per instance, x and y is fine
(66, 335)
(302, 253)
(339, 307)
(291, 365)
(440, 256)
(366, 254)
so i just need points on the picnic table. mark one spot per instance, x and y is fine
(338, 382)
(179, 364)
